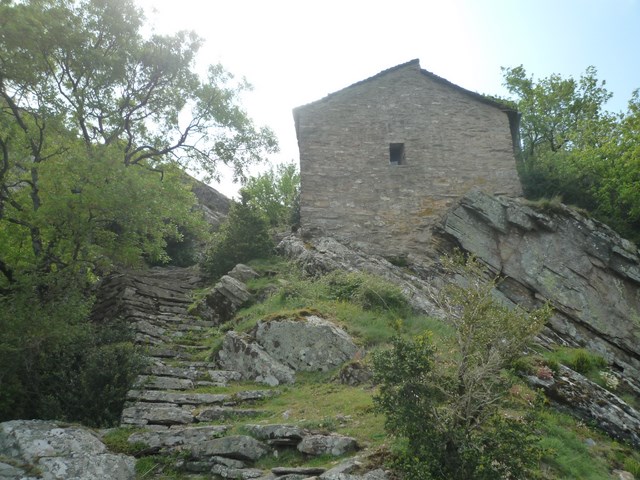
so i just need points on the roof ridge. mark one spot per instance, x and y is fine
(416, 61)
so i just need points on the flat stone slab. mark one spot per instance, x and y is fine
(151, 382)
(178, 398)
(298, 470)
(177, 372)
(219, 413)
(178, 436)
(156, 413)
(237, 447)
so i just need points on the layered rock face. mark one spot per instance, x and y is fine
(589, 274)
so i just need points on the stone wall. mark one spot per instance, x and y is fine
(453, 141)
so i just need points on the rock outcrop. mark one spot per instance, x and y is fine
(589, 274)
(276, 349)
(51, 451)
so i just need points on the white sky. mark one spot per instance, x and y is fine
(296, 52)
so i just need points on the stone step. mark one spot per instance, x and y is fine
(178, 398)
(175, 438)
(212, 414)
(152, 382)
(141, 414)
(189, 373)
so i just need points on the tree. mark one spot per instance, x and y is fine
(97, 122)
(275, 193)
(447, 402)
(573, 148)
(243, 236)
(560, 116)
(94, 118)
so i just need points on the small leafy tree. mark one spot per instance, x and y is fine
(275, 194)
(243, 236)
(445, 402)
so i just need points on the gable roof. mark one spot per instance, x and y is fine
(416, 62)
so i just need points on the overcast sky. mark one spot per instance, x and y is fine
(297, 51)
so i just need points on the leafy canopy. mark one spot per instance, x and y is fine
(572, 147)
(95, 120)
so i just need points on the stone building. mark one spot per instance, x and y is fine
(382, 159)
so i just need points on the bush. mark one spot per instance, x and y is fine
(578, 359)
(56, 364)
(446, 404)
(243, 236)
(368, 291)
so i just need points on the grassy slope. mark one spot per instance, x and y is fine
(320, 401)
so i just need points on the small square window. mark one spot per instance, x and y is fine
(396, 154)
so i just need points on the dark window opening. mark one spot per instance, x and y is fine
(396, 153)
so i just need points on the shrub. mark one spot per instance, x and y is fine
(243, 236)
(578, 359)
(59, 365)
(368, 291)
(447, 407)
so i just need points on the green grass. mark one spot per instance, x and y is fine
(116, 440)
(569, 455)
(369, 309)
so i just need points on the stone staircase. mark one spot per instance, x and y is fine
(167, 406)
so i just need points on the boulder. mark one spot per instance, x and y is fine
(59, 452)
(591, 402)
(277, 434)
(335, 445)
(222, 301)
(252, 362)
(355, 373)
(311, 344)
(243, 273)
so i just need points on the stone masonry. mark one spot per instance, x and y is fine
(382, 159)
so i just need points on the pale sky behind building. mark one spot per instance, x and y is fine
(296, 52)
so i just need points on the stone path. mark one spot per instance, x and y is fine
(167, 406)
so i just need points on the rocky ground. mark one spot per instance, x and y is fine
(174, 417)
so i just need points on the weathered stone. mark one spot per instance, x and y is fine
(243, 273)
(236, 473)
(335, 445)
(170, 371)
(238, 447)
(622, 475)
(319, 256)
(249, 395)
(591, 402)
(221, 302)
(151, 382)
(252, 362)
(589, 274)
(312, 344)
(178, 436)
(178, 398)
(156, 413)
(355, 373)
(219, 413)
(224, 376)
(277, 434)
(61, 452)
(298, 470)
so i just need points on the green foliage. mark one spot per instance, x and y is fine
(573, 148)
(369, 291)
(243, 236)
(57, 364)
(95, 122)
(578, 359)
(446, 402)
(275, 194)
